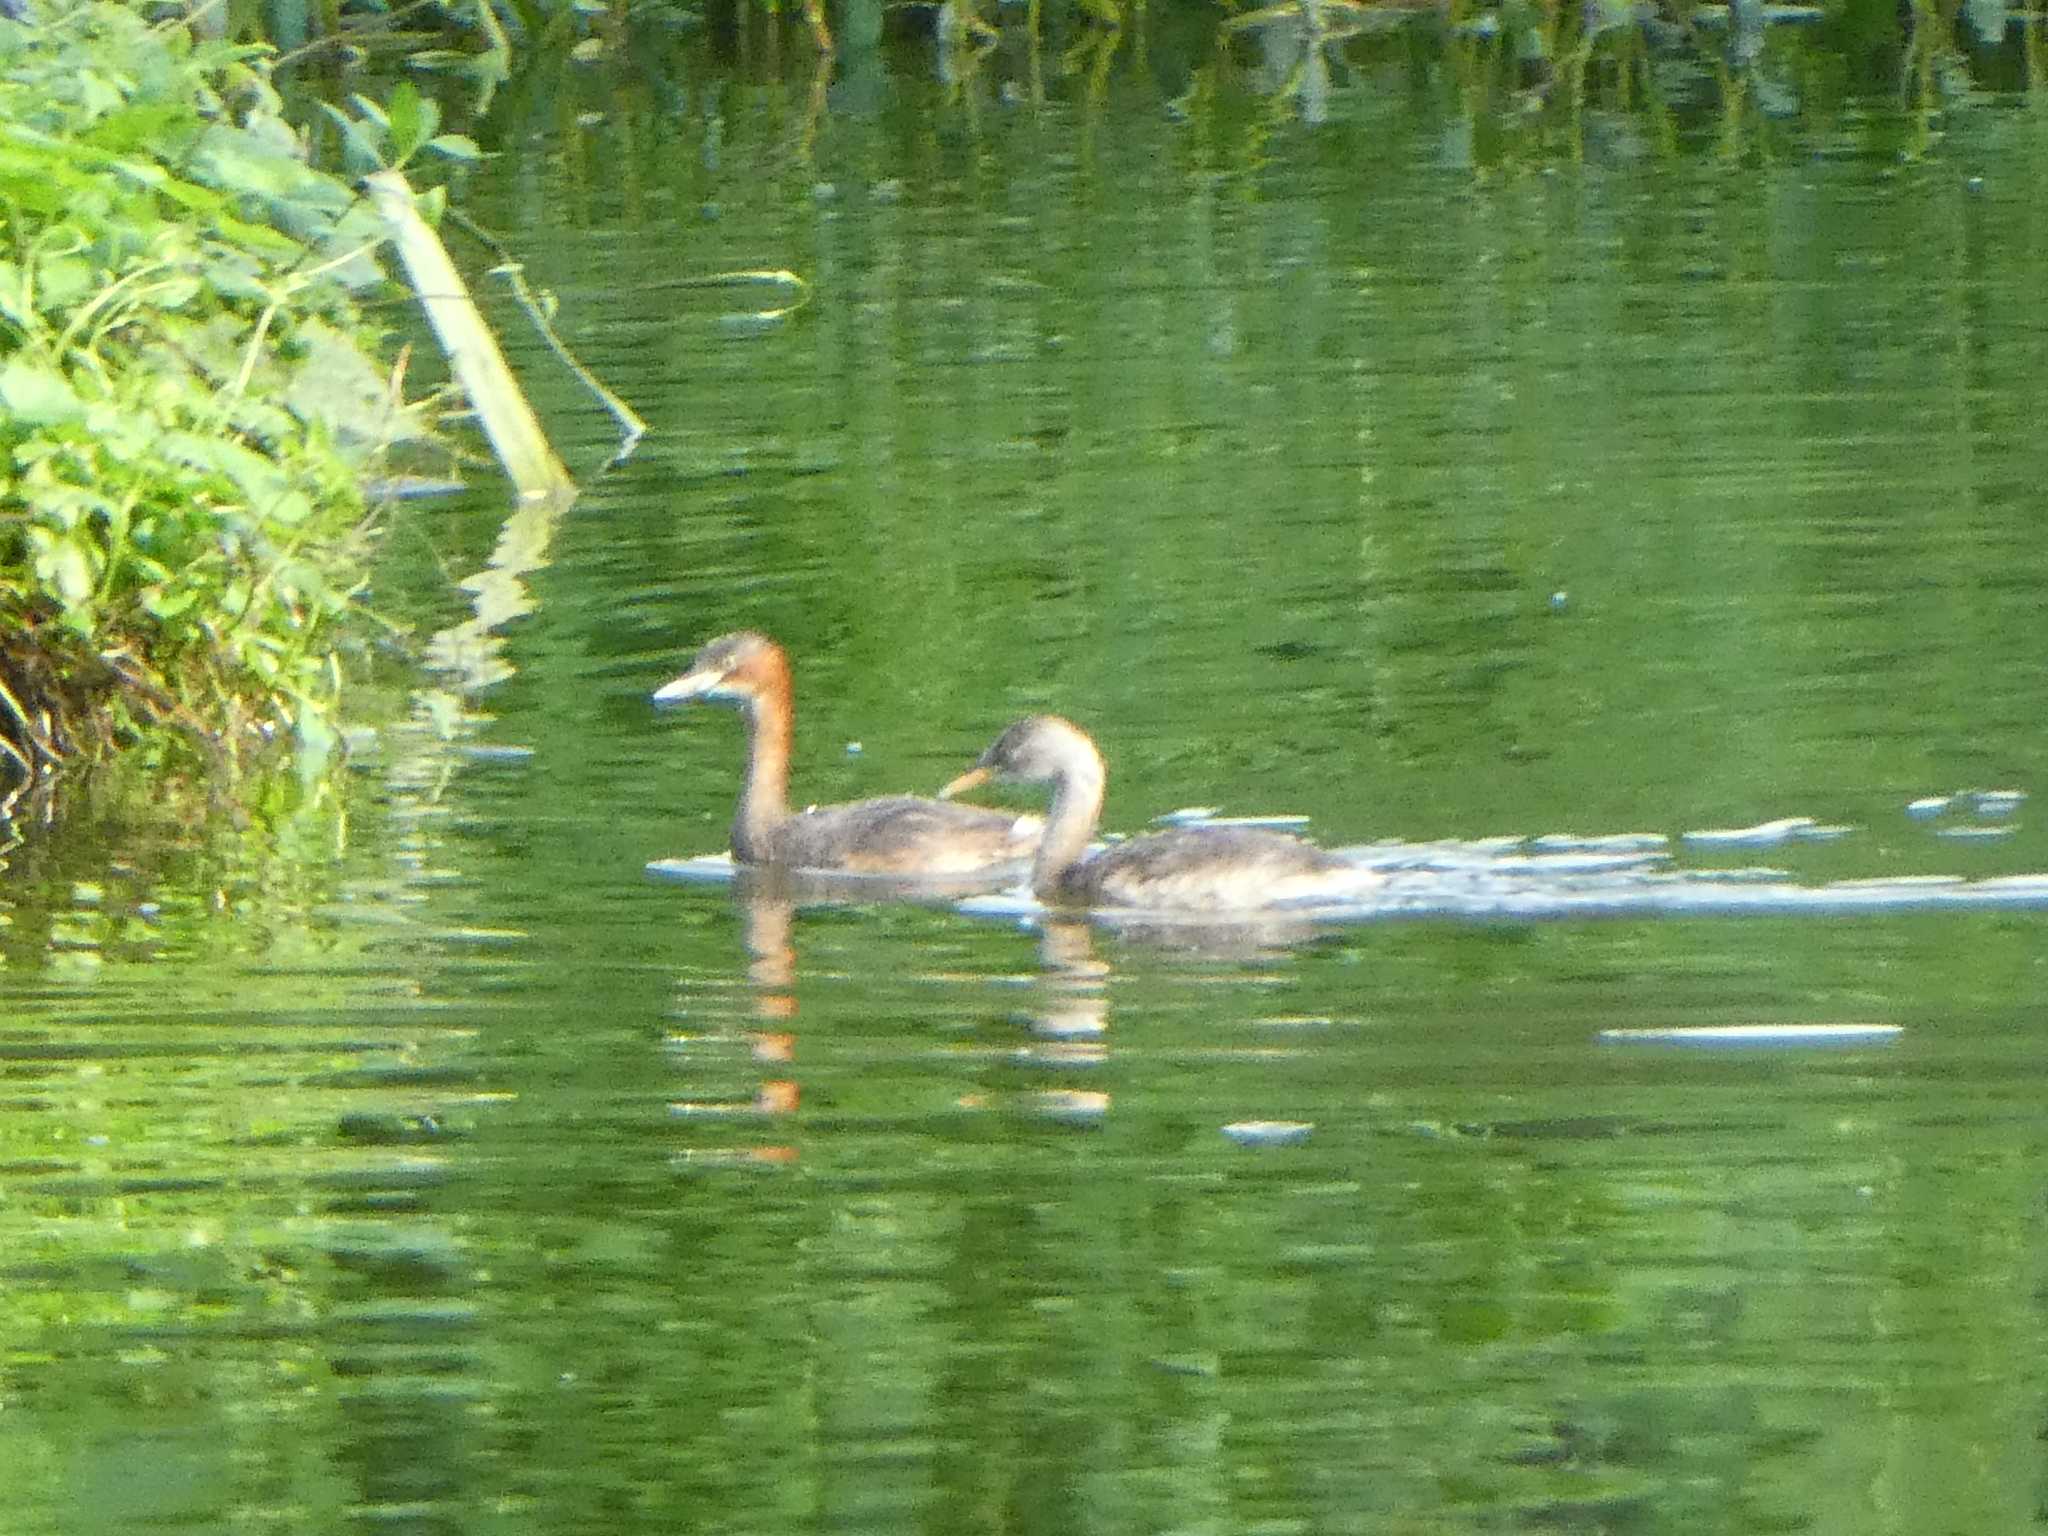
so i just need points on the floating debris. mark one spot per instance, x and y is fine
(1070, 1106)
(1268, 1133)
(1612, 842)
(1564, 863)
(1726, 1035)
(1062, 1053)
(484, 937)
(1787, 829)
(1981, 802)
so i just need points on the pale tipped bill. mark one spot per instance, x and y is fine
(973, 778)
(702, 684)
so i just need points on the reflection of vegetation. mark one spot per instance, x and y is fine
(1528, 80)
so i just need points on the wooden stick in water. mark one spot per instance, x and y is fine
(515, 432)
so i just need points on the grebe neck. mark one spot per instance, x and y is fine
(764, 796)
(1070, 823)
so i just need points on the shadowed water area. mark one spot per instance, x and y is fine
(1633, 553)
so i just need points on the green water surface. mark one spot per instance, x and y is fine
(426, 1167)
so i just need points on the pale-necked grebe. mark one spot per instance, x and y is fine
(894, 835)
(1183, 868)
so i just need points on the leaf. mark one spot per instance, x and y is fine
(38, 394)
(438, 58)
(97, 94)
(455, 146)
(289, 508)
(234, 273)
(14, 303)
(160, 604)
(370, 111)
(336, 385)
(362, 145)
(62, 281)
(413, 119)
(257, 237)
(177, 291)
(62, 563)
(259, 479)
(184, 193)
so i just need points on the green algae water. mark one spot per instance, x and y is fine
(425, 1166)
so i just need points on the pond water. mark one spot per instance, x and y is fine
(423, 1164)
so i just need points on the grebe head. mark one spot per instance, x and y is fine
(733, 669)
(1036, 750)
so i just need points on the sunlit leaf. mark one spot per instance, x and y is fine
(61, 563)
(176, 291)
(413, 120)
(370, 111)
(168, 605)
(455, 146)
(63, 281)
(258, 237)
(37, 394)
(439, 59)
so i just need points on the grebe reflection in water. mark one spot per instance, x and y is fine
(1181, 869)
(894, 835)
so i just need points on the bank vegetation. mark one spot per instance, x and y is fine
(194, 395)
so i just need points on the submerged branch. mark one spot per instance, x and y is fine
(631, 427)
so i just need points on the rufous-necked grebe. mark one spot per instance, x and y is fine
(894, 835)
(1183, 868)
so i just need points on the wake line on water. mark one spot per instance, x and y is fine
(1549, 877)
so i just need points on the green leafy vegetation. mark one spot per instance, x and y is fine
(189, 403)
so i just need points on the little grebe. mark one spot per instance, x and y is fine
(894, 835)
(1198, 868)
